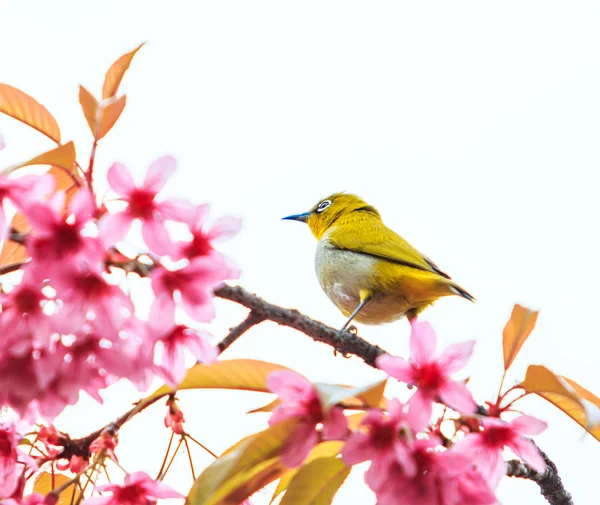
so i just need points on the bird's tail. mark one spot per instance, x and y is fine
(457, 290)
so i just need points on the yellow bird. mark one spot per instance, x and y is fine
(368, 271)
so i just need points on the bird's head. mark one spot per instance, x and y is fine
(330, 209)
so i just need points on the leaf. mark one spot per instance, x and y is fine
(115, 73)
(43, 485)
(90, 109)
(62, 156)
(220, 478)
(110, 114)
(324, 449)
(269, 407)
(519, 326)
(591, 404)
(245, 374)
(22, 107)
(370, 395)
(101, 117)
(316, 482)
(559, 392)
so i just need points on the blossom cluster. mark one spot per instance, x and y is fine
(411, 461)
(68, 322)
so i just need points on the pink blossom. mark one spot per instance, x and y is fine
(384, 440)
(195, 284)
(138, 489)
(106, 441)
(299, 400)
(12, 459)
(86, 293)
(174, 418)
(485, 447)
(57, 239)
(431, 373)
(142, 205)
(204, 236)
(32, 499)
(174, 343)
(439, 478)
(76, 464)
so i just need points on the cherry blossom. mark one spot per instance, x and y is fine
(138, 489)
(142, 205)
(431, 373)
(12, 459)
(174, 418)
(485, 447)
(203, 235)
(299, 400)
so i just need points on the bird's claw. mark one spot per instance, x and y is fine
(344, 354)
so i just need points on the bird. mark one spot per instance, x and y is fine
(370, 273)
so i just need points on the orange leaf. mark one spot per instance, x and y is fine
(90, 109)
(116, 72)
(110, 114)
(45, 483)
(22, 107)
(62, 156)
(519, 326)
(561, 393)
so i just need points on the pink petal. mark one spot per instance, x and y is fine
(98, 500)
(456, 396)
(120, 179)
(527, 425)
(299, 444)
(159, 173)
(529, 453)
(396, 367)
(420, 407)
(156, 236)
(404, 458)
(40, 217)
(224, 228)
(422, 342)
(113, 228)
(395, 409)
(357, 448)
(335, 427)
(199, 308)
(177, 209)
(162, 312)
(290, 386)
(202, 349)
(3, 224)
(200, 217)
(152, 487)
(455, 357)
(82, 205)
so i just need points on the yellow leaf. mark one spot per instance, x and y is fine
(62, 156)
(246, 374)
(269, 407)
(316, 482)
(215, 482)
(559, 392)
(519, 326)
(22, 107)
(110, 114)
(322, 450)
(116, 72)
(592, 425)
(44, 484)
(90, 109)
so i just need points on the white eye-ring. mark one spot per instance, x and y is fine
(323, 205)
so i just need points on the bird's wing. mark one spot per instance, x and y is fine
(376, 239)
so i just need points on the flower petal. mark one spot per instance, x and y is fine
(159, 173)
(120, 179)
(529, 453)
(357, 448)
(335, 427)
(422, 341)
(113, 228)
(420, 407)
(156, 236)
(299, 444)
(290, 386)
(224, 228)
(456, 396)
(177, 209)
(455, 357)
(527, 425)
(82, 205)
(396, 367)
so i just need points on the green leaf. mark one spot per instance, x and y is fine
(238, 465)
(245, 374)
(316, 482)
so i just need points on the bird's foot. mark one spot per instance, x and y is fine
(344, 354)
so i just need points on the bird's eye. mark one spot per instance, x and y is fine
(323, 205)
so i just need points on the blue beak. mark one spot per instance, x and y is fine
(298, 217)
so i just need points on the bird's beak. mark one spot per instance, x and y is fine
(298, 217)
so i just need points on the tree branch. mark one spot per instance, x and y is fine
(237, 331)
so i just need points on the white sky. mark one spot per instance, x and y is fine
(472, 126)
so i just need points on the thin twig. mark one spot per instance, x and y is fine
(162, 466)
(237, 331)
(187, 448)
